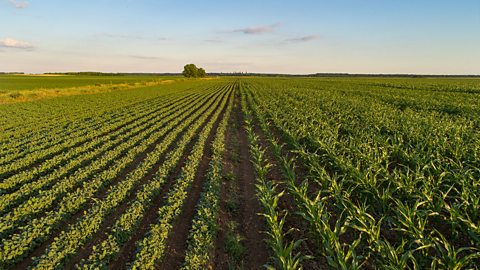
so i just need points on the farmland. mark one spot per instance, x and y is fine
(22, 88)
(239, 173)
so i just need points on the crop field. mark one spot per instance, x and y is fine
(22, 88)
(33, 82)
(239, 173)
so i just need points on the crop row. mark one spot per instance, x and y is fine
(285, 252)
(73, 158)
(69, 241)
(61, 113)
(201, 239)
(57, 123)
(38, 229)
(152, 247)
(129, 221)
(83, 166)
(368, 184)
(84, 123)
(64, 147)
(43, 201)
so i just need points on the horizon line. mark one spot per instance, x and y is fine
(252, 73)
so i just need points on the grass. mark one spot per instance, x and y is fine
(22, 88)
(234, 247)
(28, 82)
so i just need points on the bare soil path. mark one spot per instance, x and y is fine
(251, 224)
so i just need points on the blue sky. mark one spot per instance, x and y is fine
(356, 36)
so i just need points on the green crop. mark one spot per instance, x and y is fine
(351, 173)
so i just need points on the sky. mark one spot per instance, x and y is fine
(281, 36)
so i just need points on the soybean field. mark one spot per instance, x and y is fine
(240, 173)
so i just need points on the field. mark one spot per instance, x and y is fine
(22, 88)
(240, 173)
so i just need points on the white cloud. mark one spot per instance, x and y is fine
(15, 43)
(303, 39)
(255, 30)
(19, 4)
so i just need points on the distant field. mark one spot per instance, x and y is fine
(22, 88)
(29, 82)
(239, 173)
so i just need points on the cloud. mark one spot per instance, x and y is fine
(14, 43)
(256, 30)
(214, 40)
(303, 39)
(19, 4)
(128, 36)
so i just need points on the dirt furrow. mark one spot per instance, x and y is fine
(250, 224)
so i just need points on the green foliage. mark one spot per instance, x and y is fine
(152, 247)
(119, 141)
(387, 166)
(285, 255)
(30, 82)
(201, 73)
(383, 173)
(201, 240)
(191, 71)
(233, 245)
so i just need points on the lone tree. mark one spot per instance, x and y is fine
(191, 71)
(201, 73)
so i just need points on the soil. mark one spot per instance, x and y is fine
(251, 224)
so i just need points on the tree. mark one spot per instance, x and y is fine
(201, 73)
(191, 71)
